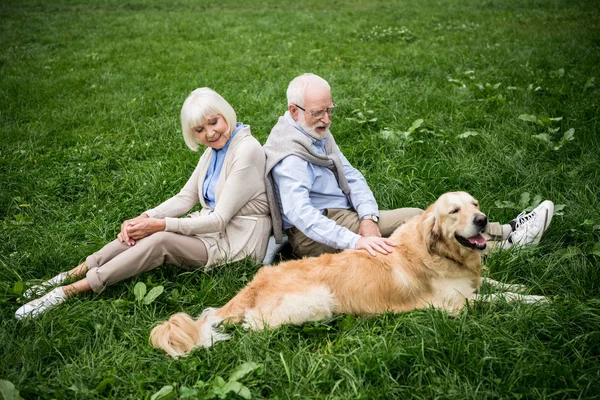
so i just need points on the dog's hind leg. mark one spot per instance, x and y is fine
(211, 318)
(236, 308)
(309, 304)
(208, 324)
(293, 307)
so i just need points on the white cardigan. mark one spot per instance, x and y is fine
(239, 226)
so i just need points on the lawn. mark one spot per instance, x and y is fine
(497, 98)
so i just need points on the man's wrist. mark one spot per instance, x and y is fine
(370, 217)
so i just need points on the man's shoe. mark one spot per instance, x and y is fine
(38, 306)
(529, 228)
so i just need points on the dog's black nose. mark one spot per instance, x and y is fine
(480, 220)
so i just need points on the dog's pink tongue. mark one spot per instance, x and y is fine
(477, 239)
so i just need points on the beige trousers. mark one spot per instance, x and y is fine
(118, 261)
(389, 220)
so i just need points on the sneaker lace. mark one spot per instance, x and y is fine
(523, 218)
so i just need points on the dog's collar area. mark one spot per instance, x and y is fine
(476, 242)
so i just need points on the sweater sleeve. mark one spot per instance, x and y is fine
(244, 182)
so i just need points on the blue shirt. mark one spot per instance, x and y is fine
(310, 189)
(214, 169)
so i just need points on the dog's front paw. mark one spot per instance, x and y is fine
(523, 298)
(516, 288)
(533, 299)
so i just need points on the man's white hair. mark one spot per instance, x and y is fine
(298, 86)
(201, 104)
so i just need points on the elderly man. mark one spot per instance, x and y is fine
(323, 203)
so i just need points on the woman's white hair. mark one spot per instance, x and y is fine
(201, 104)
(298, 85)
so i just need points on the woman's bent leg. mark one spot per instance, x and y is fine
(106, 253)
(147, 254)
(100, 257)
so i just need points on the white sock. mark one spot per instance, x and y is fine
(506, 231)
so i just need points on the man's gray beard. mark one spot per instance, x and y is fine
(311, 131)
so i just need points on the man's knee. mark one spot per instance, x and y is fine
(310, 248)
(417, 211)
(313, 252)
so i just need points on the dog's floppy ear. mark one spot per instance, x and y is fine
(430, 229)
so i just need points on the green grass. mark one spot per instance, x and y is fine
(90, 93)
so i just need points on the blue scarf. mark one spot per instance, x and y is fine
(214, 169)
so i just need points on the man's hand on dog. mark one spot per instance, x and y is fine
(375, 245)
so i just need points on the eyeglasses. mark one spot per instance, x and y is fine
(319, 113)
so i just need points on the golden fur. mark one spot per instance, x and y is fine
(428, 267)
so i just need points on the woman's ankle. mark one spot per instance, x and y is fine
(78, 271)
(80, 286)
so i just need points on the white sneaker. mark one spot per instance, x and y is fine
(38, 306)
(43, 287)
(529, 228)
(36, 290)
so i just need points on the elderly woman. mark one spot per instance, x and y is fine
(234, 222)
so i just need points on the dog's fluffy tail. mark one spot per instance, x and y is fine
(181, 333)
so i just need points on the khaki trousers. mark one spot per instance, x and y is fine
(118, 261)
(389, 220)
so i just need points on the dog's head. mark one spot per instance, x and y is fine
(453, 225)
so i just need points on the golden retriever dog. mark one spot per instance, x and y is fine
(436, 263)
